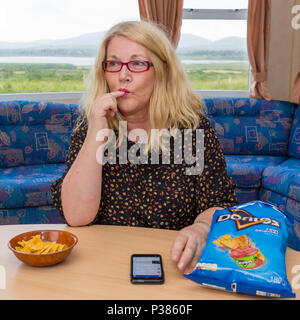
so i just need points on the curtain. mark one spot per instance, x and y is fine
(258, 37)
(283, 79)
(167, 13)
(296, 90)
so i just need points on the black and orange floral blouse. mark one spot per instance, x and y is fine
(157, 195)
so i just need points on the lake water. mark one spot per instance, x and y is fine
(89, 61)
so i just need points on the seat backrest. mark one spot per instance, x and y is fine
(251, 126)
(294, 145)
(34, 132)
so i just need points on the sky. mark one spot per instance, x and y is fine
(30, 20)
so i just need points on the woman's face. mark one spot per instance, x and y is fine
(140, 85)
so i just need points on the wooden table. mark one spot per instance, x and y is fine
(99, 267)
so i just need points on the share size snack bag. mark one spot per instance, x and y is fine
(245, 251)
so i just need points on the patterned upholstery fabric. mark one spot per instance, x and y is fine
(28, 186)
(246, 194)
(34, 143)
(246, 171)
(30, 215)
(34, 132)
(291, 208)
(251, 126)
(253, 134)
(284, 178)
(294, 144)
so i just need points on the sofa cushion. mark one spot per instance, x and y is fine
(246, 171)
(31, 215)
(34, 132)
(28, 186)
(251, 126)
(284, 178)
(245, 195)
(294, 145)
(291, 208)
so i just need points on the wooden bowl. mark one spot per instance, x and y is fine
(47, 259)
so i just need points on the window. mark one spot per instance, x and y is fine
(50, 45)
(213, 44)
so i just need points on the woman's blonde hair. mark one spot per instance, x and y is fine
(173, 103)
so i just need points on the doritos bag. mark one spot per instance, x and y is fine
(245, 251)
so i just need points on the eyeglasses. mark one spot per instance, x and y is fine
(133, 66)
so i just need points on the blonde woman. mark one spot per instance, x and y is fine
(137, 80)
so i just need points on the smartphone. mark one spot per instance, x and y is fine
(147, 269)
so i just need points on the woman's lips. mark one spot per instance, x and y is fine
(126, 92)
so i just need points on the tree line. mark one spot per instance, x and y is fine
(91, 52)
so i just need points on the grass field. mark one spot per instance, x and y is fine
(21, 78)
(32, 78)
(218, 76)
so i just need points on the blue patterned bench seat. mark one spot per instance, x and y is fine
(260, 140)
(34, 142)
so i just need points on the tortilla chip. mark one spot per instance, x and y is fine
(37, 246)
(232, 243)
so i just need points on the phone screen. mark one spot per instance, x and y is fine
(146, 269)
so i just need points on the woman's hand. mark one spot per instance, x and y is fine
(102, 105)
(191, 240)
(188, 246)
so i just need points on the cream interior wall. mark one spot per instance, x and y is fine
(284, 53)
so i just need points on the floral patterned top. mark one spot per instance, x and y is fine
(158, 195)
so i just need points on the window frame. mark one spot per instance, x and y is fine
(215, 14)
(219, 14)
(188, 13)
(65, 97)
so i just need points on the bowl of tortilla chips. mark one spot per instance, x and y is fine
(43, 247)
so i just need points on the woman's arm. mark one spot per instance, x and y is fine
(78, 194)
(81, 187)
(214, 190)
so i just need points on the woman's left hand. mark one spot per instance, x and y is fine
(188, 246)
